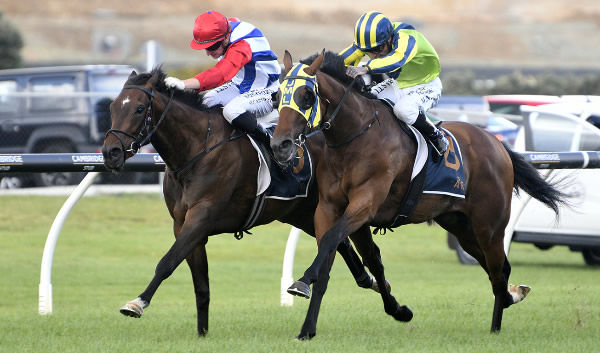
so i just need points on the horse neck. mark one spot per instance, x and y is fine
(183, 133)
(354, 114)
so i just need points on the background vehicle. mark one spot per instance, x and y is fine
(510, 103)
(61, 109)
(548, 128)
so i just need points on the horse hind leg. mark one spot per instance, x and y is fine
(504, 295)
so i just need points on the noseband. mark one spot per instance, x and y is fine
(143, 137)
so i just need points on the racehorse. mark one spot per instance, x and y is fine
(365, 172)
(210, 180)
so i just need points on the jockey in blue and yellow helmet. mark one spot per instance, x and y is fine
(372, 30)
(402, 53)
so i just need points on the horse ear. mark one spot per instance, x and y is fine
(133, 73)
(153, 79)
(314, 67)
(287, 61)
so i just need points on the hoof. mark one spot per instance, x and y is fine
(518, 292)
(375, 286)
(134, 308)
(305, 336)
(300, 289)
(403, 313)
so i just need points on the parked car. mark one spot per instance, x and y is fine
(510, 103)
(60, 109)
(549, 129)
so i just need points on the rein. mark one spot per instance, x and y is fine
(205, 152)
(327, 124)
(147, 131)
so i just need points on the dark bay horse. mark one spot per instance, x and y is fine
(366, 168)
(210, 183)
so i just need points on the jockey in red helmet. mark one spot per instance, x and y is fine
(403, 53)
(245, 76)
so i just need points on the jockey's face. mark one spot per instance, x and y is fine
(384, 50)
(217, 53)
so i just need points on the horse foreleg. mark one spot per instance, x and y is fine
(191, 235)
(329, 243)
(309, 327)
(361, 276)
(198, 264)
(372, 257)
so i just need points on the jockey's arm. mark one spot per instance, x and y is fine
(404, 49)
(352, 55)
(236, 56)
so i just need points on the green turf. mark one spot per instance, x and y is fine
(109, 247)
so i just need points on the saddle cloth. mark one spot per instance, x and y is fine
(282, 182)
(445, 177)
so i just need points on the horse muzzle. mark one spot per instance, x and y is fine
(284, 149)
(114, 157)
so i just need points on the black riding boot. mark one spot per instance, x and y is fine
(247, 123)
(432, 134)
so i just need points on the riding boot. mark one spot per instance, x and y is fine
(247, 124)
(432, 134)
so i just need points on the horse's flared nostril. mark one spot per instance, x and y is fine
(285, 145)
(115, 153)
(283, 150)
(114, 158)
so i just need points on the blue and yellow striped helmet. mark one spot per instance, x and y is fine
(372, 30)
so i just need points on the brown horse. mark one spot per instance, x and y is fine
(366, 169)
(210, 182)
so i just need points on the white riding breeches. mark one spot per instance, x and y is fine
(257, 102)
(409, 101)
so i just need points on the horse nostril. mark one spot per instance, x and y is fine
(285, 145)
(115, 152)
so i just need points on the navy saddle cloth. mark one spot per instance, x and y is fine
(290, 181)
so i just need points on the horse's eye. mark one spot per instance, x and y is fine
(304, 98)
(140, 109)
(308, 99)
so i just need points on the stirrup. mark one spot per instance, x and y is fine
(440, 145)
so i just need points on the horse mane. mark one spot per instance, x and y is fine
(188, 97)
(333, 65)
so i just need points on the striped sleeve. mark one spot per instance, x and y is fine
(405, 48)
(352, 55)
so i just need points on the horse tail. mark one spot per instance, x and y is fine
(527, 178)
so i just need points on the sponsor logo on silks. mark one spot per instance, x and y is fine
(296, 79)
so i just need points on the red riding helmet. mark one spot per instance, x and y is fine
(209, 28)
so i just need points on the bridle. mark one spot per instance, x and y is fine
(327, 124)
(147, 130)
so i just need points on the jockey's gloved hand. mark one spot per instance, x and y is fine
(174, 82)
(354, 71)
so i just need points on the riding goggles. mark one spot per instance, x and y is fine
(296, 79)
